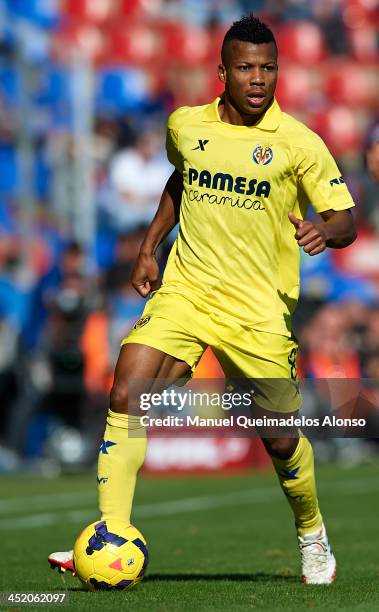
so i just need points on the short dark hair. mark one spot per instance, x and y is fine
(248, 29)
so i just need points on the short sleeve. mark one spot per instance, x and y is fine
(320, 178)
(174, 123)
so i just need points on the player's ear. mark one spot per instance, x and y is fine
(222, 73)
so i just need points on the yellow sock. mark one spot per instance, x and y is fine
(297, 479)
(121, 455)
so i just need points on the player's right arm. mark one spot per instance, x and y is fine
(146, 271)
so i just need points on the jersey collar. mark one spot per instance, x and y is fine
(269, 122)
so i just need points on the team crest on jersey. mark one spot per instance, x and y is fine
(262, 155)
(141, 322)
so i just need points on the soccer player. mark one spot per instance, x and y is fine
(244, 174)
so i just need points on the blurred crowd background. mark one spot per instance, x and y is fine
(85, 90)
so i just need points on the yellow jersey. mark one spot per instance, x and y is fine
(236, 253)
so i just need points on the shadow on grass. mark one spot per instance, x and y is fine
(79, 589)
(259, 577)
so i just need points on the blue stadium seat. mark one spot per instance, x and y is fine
(9, 83)
(120, 90)
(54, 84)
(9, 179)
(8, 224)
(45, 13)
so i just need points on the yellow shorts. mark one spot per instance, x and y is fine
(174, 325)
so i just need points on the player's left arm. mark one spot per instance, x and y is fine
(320, 178)
(336, 230)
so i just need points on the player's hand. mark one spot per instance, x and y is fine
(145, 274)
(310, 236)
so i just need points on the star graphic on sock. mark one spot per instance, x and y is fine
(105, 445)
(291, 474)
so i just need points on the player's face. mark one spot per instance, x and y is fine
(250, 74)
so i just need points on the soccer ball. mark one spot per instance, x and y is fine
(110, 555)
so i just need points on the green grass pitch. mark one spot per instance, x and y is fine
(216, 543)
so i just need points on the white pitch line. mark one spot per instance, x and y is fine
(148, 511)
(189, 504)
(40, 501)
(33, 502)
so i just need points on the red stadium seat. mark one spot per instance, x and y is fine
(134, 44)
(216, 37)
(88, 38)
(188, 85)
(187, 45)
(361, 258)
(93, 11)
(363, 43)
(348, 82)
(357, 13)
(140, 9)
(301, 42)
(295, 88)
(340, 129)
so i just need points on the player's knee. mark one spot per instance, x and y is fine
(281, 448)
(119, 397)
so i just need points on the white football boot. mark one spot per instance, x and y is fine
(63, 561)
(317, 560)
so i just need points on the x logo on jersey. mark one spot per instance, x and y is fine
(105, 445)
(201, 145)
